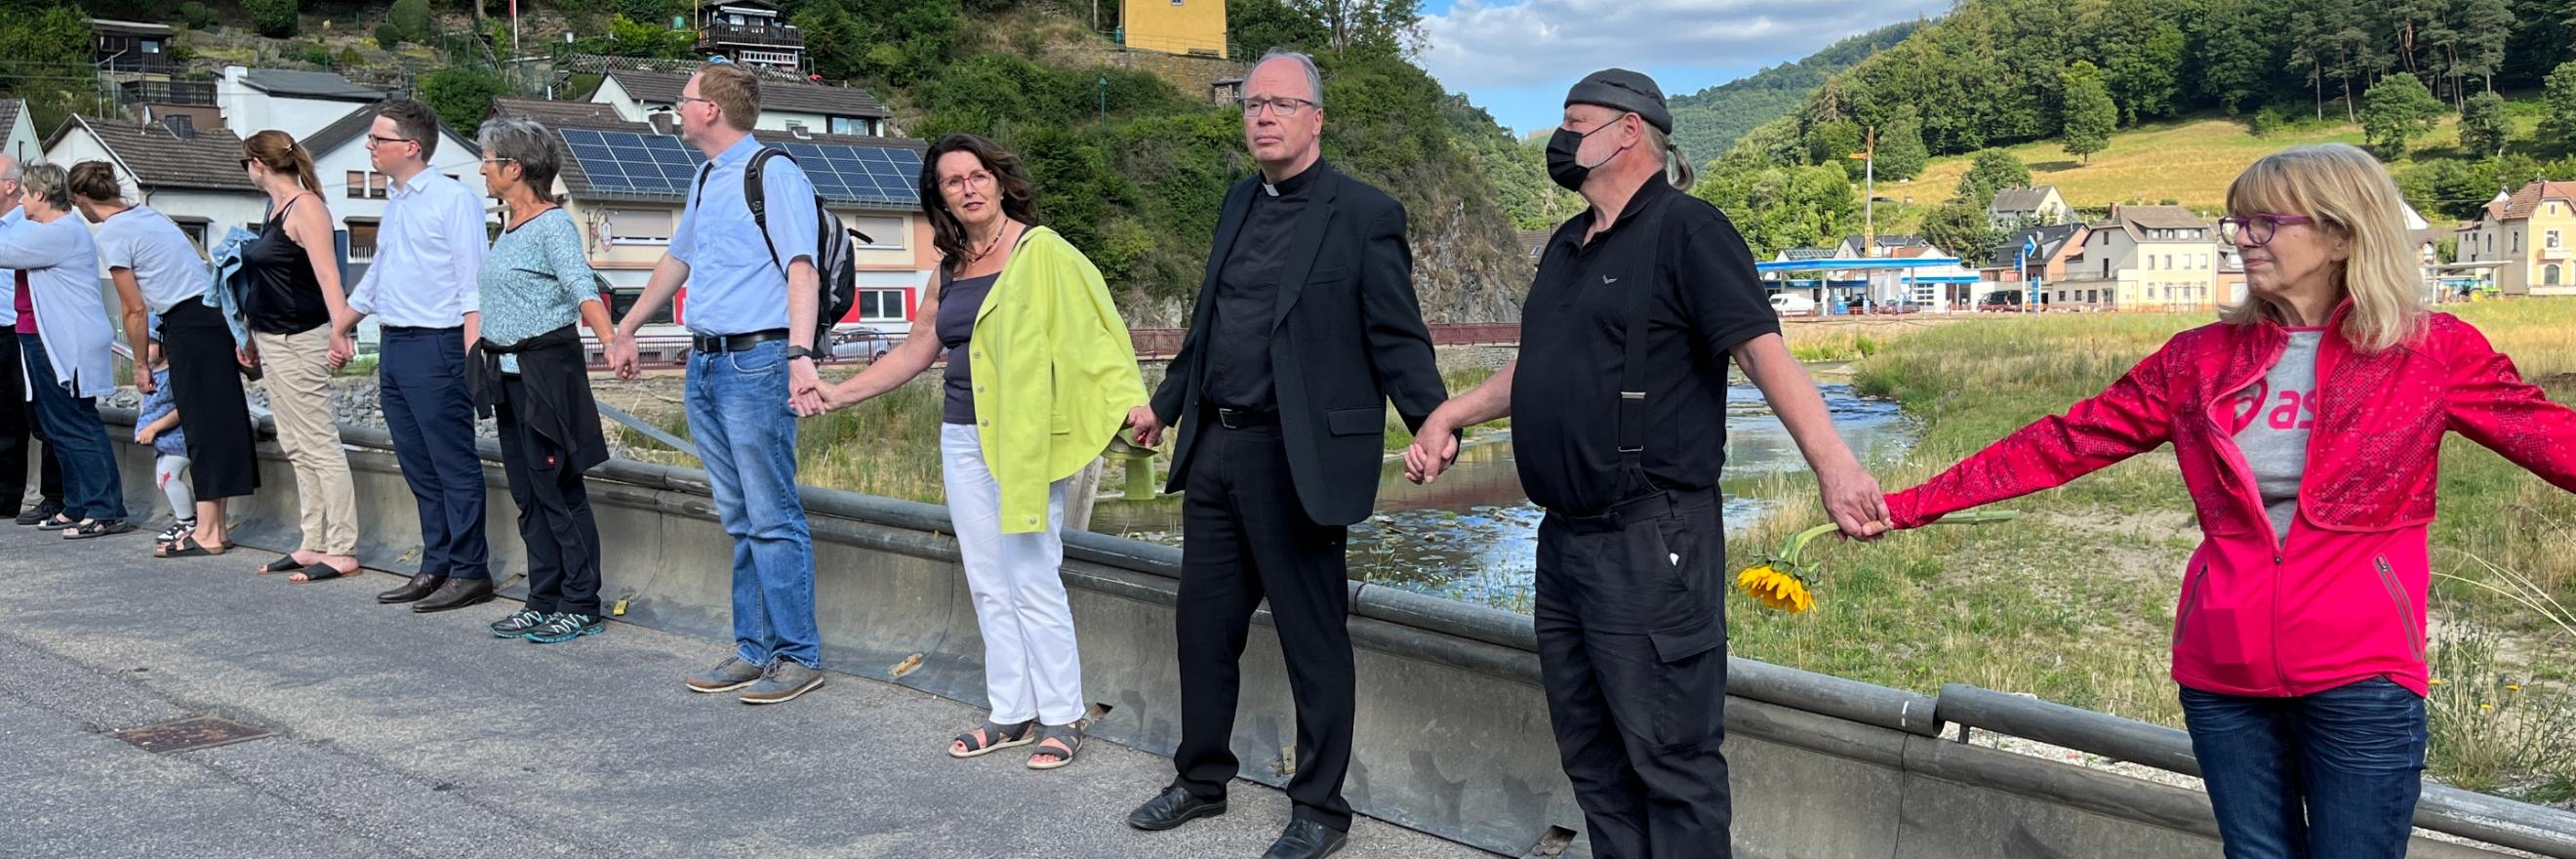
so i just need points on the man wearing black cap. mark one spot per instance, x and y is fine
(1306, 327)
(1619, 412)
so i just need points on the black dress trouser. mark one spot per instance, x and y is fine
(18, 435)
(1244, 537)
(1631, 624)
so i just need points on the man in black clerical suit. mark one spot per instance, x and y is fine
(1306, 326)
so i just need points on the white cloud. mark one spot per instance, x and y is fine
(1477, 45)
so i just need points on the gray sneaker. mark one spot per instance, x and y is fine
(729, 675)
(783, 683)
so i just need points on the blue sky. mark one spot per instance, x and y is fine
(1516, 58)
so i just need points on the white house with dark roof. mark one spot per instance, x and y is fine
(784, 106)
(18, 132)
(194, 175)
(298, 103)
(2017, 207)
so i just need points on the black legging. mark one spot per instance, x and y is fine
(205, 383)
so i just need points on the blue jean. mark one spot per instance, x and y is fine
(2331, 775)
(71, 428)
(431, 417)
(746, 437)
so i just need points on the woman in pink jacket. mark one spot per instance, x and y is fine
(2308, 422)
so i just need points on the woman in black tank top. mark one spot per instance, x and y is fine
(284, 296)
(292, 303)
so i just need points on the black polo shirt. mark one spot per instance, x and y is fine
(1565, 389)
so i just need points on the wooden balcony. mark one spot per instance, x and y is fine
(751, 35)
(185, 93)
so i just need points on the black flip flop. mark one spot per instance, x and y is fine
(282, 565)
(322, 573)
(188, 547)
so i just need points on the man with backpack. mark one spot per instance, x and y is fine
(754, 301)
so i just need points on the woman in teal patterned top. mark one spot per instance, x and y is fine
(531, 372)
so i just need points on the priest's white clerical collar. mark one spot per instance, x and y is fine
(1270, 189)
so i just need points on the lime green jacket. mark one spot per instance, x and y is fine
(1054, 373)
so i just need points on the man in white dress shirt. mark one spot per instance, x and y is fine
(422, 289)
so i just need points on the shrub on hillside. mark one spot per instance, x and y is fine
(274, 18)
(461, 95)
(388, 35)
(350, 59)
(198, 15)
(413, 17)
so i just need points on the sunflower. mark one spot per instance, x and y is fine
(1782, 580)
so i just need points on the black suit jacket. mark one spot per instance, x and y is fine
(1347, 339)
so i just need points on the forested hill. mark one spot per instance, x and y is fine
(2006, 71)
(1707, 122)
(1131, 165)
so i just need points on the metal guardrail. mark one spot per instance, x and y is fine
(1825, 747)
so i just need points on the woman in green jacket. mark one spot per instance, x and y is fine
(1040, 377)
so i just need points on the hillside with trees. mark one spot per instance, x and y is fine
(2140, 101)
(1707, 122)
(1129, 167)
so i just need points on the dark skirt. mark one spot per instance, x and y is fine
(205, 383)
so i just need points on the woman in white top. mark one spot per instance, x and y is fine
(159, 272)
(66, 340)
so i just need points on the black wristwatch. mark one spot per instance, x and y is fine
(795, 352)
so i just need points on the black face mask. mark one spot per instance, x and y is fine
(1561, 164)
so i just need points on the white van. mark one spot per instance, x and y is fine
(1792, 304)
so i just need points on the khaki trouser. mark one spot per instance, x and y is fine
(296, 370)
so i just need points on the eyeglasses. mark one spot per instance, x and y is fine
(498, 161)
(245, 164)
(982, 180)
(2258, 227)
(375, 140)
(1281, 106)
(690, 98)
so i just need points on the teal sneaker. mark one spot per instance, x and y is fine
(563, 626)
(518, 624)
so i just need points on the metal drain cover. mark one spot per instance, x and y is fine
(187, 734)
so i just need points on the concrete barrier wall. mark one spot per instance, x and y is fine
(1452, 736)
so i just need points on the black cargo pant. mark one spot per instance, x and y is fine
(1631, 629)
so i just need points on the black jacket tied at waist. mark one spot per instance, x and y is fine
(554, 387)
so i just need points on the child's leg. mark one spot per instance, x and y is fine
(183, 498)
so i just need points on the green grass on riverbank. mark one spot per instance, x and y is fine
(2074, 602)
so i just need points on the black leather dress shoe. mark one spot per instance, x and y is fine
(457, 593)
(1173, 807)
(1306, 839)
(420, 586)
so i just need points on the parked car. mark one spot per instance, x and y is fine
(2001, 301)
(1792, 304)
(862, 343)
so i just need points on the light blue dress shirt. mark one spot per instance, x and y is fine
(429, 255)
(734, 286)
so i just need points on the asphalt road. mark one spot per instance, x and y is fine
(403, 735)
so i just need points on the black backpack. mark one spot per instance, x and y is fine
(836, 268)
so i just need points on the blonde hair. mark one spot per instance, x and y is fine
(734, 90)
(2352, 199)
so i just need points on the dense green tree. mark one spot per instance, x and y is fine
(1992, 171)
(835, 40)
(2236, 63)
(2090, 113)
(1785, 207)
(1256, 26)
(2484, 126)
(2558, 107)
(412, 17)
(2476, 33)
(2396, 111)
(1708, 122)
(1901, 154)
(273, 18)
(461, 95)
(1959, 227)
(1388, 27)
(2141, 53)
(40, 41)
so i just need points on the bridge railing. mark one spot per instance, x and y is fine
(1453, 736)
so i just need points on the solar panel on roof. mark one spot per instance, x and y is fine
(627, 162)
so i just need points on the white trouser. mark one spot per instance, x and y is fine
(1031, 667)
(183, 498)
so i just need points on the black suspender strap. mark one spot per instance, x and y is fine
(1632, 383)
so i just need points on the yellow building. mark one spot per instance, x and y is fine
(2532, 233)
(1175, 26)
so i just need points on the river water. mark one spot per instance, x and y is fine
(1472, 535)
